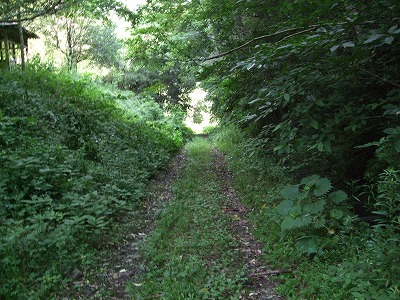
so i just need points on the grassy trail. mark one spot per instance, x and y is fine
(195, 251)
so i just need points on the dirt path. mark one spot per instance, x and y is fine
(262, 287)
(125, 263)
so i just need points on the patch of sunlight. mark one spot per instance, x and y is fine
(199, 115)
(123, 26)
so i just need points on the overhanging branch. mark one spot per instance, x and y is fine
(300, 30)
(296, 30)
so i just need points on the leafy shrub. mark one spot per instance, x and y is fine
(312, 213)
(375, 272)
(73, 164)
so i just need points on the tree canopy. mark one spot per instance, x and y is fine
(80, 38)
(319, 78)
(27, 10)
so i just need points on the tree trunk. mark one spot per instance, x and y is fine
(7, 44)
(71, 59)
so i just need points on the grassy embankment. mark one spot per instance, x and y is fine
(73, 165)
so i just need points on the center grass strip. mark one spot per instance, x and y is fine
(190, 255)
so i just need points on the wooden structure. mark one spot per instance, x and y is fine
(13, 44)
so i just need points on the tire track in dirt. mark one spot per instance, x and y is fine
(261, 287)
(126, 263)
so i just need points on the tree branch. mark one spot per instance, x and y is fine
(35, 14)
(296, 33)
(302, 30)
(379, 77)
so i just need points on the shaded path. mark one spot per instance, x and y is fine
(261, 286)
(126, 264)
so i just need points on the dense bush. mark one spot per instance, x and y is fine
(73, 163)
(315, 85)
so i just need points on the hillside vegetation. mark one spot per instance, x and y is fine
(73, 163)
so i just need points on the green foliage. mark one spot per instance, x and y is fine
(209, 129)
(197, 116)
(374, 273)
(158, 53)
(73, 164)
(310, 87)
(315, 86)
(12, 11)
(73, 39)
(388, 200)
(312, 214)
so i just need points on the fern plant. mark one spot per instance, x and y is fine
(313, 213)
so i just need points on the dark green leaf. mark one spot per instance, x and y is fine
(307, 245)
(390, 131)
(327, 146)
(315, 207)
(297, 222)
(290, 192)
(397, 146)
(320, 146)
(393, 29)
(334, 48)
(337, 197)
(311, 180)
(389, 40)
(279, 147)
(314, 124)
(336, 214)
(373, 37)
(322, 186)
(348, 45)
(285, 207)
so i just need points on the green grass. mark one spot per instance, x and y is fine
(190, 255)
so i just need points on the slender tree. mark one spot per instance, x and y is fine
(81, 39)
